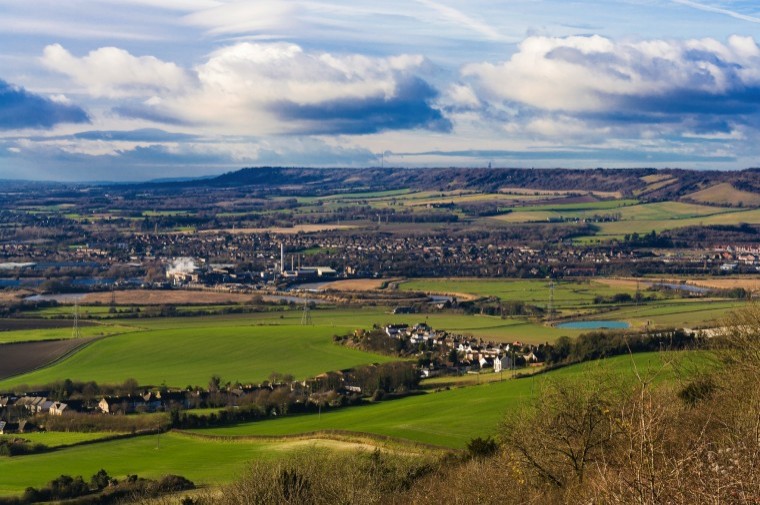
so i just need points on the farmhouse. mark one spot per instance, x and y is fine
(502, 363)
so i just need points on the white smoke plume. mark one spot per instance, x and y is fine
(181, 266)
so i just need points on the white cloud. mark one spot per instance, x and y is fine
(113, 72)
(239, 84)
(593, 73)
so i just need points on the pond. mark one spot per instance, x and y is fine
(594, 325)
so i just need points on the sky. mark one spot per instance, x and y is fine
(128, 90)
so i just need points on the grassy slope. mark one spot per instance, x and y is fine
(447, 418)
(196, 459)
(724, 194)
(192, 355)
(7, 337)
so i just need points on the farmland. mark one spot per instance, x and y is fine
(19, 358)
(446, 418)
(176, 350)
(179, 357)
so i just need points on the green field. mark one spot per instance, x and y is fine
(445, 418)
(147, 456)
(7, 337)
(191, 355)
(567, 294)
(633, 218)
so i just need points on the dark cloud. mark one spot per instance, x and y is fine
(410, 108)
(22, 109)
(141, 135)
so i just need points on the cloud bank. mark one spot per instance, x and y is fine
(652, 81)
(22, 109)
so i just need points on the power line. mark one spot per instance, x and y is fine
(306, 316)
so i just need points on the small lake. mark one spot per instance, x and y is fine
(682, 287)
(594, 325)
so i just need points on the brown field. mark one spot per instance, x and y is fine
(650, 179)
(164, 297)
(21, 358)
(725, 194)
(748, 283)
(301, 228)
(654, 186)
(358, 284)
(12, 295)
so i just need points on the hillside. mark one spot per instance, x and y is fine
(716, 187)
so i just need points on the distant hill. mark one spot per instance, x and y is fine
(710, 187)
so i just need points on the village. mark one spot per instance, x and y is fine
(455, 355)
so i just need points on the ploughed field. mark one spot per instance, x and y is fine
(17, 359)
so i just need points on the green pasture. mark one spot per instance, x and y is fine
(191, 355)
(620, 228)
(445, 418)
(147, 456)
(594, 207)
(7, 337)
(531, 291)
(341, 321)
(686, 313)
(629, 210)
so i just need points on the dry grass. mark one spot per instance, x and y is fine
(748, 283)
(650, 179)
(724, 194)
(164, 297)
(13, 295)
(358, 284)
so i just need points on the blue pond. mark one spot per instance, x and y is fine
(594, 325)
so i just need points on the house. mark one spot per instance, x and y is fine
(3, 424)
(396, 330)
(108, 406)
(502, 363)
(404, 310)
(58, 408)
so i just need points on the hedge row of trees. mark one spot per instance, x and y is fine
(599, 344)
(101, 489)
